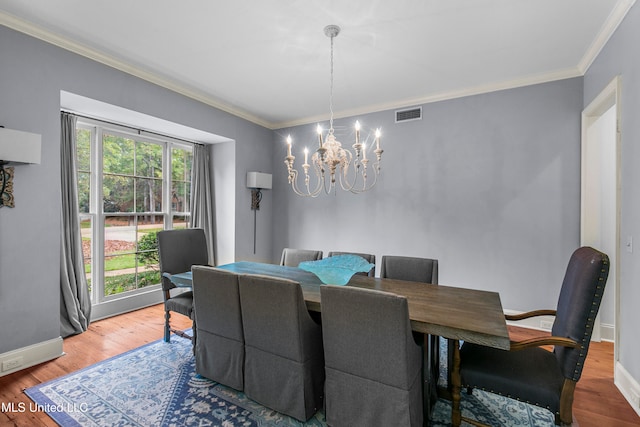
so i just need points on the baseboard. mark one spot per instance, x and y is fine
(544, 323)
(607, 332)
(628, 386)
(25, 357)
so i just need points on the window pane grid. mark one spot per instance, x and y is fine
(181, 164)
(83, 162)
(86, 235)
(130, 185)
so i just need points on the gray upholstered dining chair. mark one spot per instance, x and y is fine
(529, 372)
(373, 365)
(412, 269)
(220, 345)
(292, 257)
(178, 250)
(369, 257)
(284, 361)
(415, 269)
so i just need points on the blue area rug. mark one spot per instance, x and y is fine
(156, 385)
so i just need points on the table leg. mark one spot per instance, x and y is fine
(434, 363)
(426, 380)
(456, 383)
(450, 345)
(430, 373)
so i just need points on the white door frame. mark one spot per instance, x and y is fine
(609, 97)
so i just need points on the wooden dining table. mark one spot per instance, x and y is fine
(454, 313)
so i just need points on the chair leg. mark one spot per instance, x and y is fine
(194, 336)
(167, 328)
(566, 403)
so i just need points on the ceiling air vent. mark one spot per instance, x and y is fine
(409, 114)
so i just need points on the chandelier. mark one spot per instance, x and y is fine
(331, 162)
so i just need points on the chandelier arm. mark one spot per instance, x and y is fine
(356, 166)
(367, 188)
(293, 179)
(319, 174)
(345, 184)
(327, 184)
(376, 171)
(352, 187)
(296, 189)
(318, 165)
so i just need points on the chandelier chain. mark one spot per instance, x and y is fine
(331, 92)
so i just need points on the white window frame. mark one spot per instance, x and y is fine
(104, 306)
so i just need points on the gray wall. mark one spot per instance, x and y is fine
(620, 57)
(255, 157)
(32, 74)
(488, 184)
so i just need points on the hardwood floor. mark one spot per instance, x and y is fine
(597, 401)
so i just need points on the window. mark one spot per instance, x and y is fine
(129, 187)
(181, 164)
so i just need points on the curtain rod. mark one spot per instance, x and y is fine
(128, 126)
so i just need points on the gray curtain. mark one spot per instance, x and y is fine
(75, 301)
(202, 202)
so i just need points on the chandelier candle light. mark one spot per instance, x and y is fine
(330, 157)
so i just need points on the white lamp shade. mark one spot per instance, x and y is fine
(259, 180)
(19, 147)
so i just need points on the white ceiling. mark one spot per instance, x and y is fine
(268, 60)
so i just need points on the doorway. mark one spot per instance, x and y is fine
(600, 198)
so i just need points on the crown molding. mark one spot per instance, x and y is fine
(611, 24)
(444, 96)
(50, 37)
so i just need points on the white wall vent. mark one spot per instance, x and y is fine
(409, 114)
